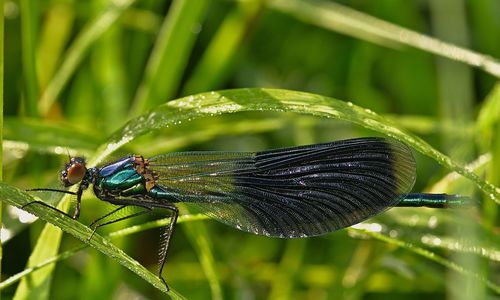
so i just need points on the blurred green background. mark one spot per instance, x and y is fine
(77, 71)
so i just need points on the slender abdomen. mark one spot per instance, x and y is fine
(434, 200)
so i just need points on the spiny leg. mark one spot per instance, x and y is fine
(107, 215)
(79, 193)
(142, 212)
(47, 205)
(169, 230)
(149, 204)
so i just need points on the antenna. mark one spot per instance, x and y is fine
(69, 155)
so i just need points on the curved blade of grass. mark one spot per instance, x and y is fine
(78, 48)
(453, 179)
(336, 17)
(427, 125)
(18, 198)
(239, 100)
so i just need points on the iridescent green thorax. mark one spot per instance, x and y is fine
(125, 182)
(127, 177)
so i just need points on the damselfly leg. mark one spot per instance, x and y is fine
(95, 224)
(74, 216)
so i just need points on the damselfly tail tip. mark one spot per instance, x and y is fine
(460, 200)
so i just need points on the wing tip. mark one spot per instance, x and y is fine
(404, 165)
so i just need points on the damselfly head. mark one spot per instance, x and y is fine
(74, 171)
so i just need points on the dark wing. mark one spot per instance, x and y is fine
(291, 192)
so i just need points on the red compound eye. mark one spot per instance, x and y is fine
(74, 171)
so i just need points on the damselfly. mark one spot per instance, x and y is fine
(288, 193)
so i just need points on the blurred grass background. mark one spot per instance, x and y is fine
(76, 71)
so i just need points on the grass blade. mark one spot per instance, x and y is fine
(19, 198)
(351, 22)
(29, 37)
